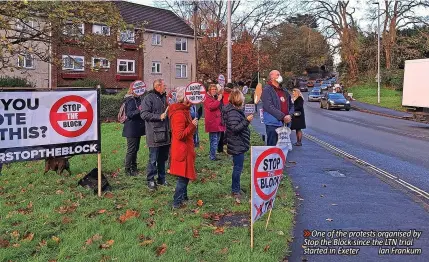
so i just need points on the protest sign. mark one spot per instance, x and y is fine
(195, 93)
(249, 109)
(221, 80)
(267, 165)
(139, 87)
(36, 125)
(261, 115)
(172, 97)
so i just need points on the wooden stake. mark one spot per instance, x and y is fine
(99, 174)
(268, 220)
(251, 200)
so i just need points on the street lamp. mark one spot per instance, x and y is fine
(378, 53)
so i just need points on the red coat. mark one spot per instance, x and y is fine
(212, 115)
(182, 142)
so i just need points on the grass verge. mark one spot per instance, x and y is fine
(51, 218)
(367, 93)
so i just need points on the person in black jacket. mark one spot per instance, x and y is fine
(134, 129)
(237, 136)
(298, 117)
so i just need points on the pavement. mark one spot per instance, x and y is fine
(379, 110)
(333, 193)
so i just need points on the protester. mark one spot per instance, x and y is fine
(225, 93)
(182, 164)
(277, 106)
(213, 121)
(195, 114)
(134, 129)
(238, 136)
(153, 111)
(298, 118)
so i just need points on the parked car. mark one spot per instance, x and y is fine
(310, 84)
(334, 100)
(315, 96)
(325, 86)
(303, 88)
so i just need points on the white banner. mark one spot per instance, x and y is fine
(47, 120)
(267, 167)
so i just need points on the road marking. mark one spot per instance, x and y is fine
(382, 172)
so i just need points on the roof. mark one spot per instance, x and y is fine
(158, 19)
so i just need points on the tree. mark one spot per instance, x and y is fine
(36, 27)
(301, 20)
(337, 19)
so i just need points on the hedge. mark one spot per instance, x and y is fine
(110, 105)
(7, 81)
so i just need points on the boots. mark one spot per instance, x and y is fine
(128, 172)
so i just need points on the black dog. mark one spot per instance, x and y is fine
(58, 164)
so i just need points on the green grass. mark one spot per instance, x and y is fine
(64, 216)
(367, 93)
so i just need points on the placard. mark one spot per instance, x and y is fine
(38, 124)
(249, 109)
(195, 93)
(139, 87)
(221, 80)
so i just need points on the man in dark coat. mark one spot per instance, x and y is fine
(277, 106)
(158, 138)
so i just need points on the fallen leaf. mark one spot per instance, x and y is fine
(281, 233)
(196, 211)
(42, 243)
(161, 250)
(52, 260)
(206, 215)
(15, 234)
(67, 209)
(128, 215)
(195, 233)
(59, 192)
(150, 222)
(16, 245)
(66, 220)
(151, 211)
(329, 219)
(109, 195)
(108, 244)
(30, 205)
(266, 248)
(56, 239)
(187, 249)
(224, 251)
(219, 230)
(237, 201)
(101, 211)
(28, 237)
(114, 151)
(96, 237)
(146, 242)
(4, 243)
(182, 219)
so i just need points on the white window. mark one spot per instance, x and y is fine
(74, 29)
(181, 71)
(101, 29)
(156, 67)
(156, 39)
(26, 61)
(23, 25)
(99, 62)
(126, 66)
(75, 63)
(127, 36)
(181, 44)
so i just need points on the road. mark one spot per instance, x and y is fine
(397, 146)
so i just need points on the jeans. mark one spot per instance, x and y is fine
(238, 161)
(133, 145)
(181, 192)
(272, 135)
(214, 140)
(156, 164)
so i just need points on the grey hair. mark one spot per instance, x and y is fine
(180, 94)
(157, 82)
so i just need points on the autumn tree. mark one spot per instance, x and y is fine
(35, 27)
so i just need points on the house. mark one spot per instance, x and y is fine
(168, 44)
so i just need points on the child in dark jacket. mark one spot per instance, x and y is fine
(237, 136)
(134, 129)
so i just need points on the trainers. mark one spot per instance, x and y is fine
(151, 185)
(162, 183)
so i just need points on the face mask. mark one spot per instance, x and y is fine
(279, 79)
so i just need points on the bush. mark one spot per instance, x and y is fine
(393, 78)
(6, 81)
(109, 106)
(86, 83)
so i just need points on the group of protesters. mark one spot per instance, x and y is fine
(172, 130)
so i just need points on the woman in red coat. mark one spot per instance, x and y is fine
(213, 118)
(182, 146)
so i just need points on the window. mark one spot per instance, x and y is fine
(101, 29)
(26, 61)
(181, 71)
(75, 63)
(181, 44)
(74, 29)
(156, 67)
(99, 62)
(127, 36)
(126, 66)
(156, 39)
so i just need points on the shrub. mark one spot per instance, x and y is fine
(109, 106)
(6, 81)
(393, 78)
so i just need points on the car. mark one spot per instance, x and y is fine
(314, 96)
(303, 88)
(316, 89)
(310, 84)
(324, 86)
(334, 100)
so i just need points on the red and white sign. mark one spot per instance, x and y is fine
(139, 87)
(71, 116)
(172, 96)
(221, 80)
(195, 93)
(267, 172)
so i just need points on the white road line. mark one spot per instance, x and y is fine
(374, 168)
